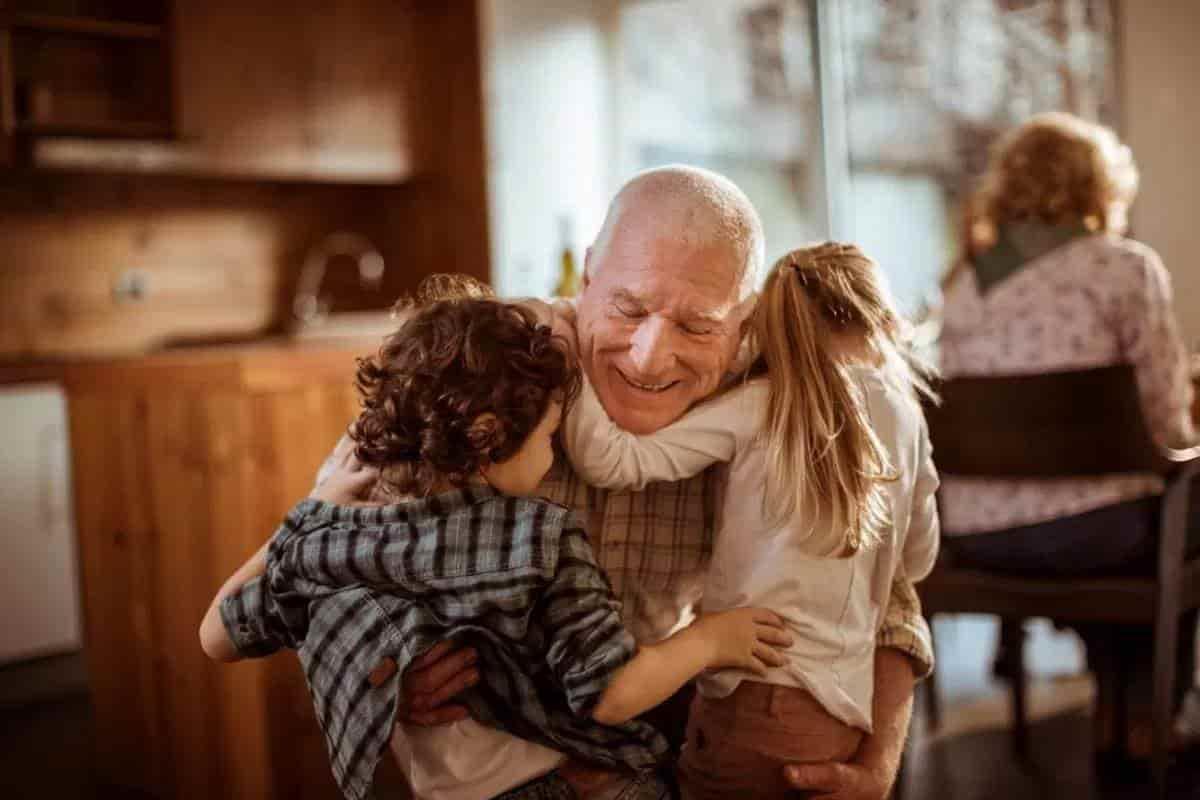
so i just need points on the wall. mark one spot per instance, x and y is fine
(1160, 65)
(219, 259)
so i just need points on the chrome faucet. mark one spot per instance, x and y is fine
(309, 305)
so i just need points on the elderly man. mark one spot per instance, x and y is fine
(667, 286)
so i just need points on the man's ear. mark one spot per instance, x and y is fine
(743, 310)
(587, 268)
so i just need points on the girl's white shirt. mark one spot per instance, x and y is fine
(833, 607)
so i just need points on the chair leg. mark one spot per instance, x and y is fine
(1012, 636)
(1122, 675)
(1102, 660)
(1166, 640)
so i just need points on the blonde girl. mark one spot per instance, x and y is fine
(829, 494)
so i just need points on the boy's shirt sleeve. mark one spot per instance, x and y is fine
(252, 620)
(586, 641)
(255, 621)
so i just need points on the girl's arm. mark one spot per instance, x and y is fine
(743, 638)
(610, 457)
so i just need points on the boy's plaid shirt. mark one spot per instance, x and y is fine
(351, 586)
(655, 546)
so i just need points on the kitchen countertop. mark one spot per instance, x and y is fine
(276, 362)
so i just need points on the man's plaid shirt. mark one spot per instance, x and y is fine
(515, 578)
(655, 546)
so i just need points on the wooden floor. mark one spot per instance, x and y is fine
(44, 744)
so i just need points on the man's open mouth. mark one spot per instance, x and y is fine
(646, 387)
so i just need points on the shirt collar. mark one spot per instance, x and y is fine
(435, 505)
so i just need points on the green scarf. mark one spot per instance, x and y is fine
(1017, 244)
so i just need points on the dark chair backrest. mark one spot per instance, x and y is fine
(1087, 422)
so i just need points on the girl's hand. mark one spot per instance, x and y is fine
(744, 638)
(348, 480)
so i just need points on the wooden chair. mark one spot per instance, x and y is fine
(1080, 423)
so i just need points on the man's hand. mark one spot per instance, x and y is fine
(838, 781)
(440, 674)
(873, 771)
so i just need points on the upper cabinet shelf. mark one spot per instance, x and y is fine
(91, 68)
(85, 26)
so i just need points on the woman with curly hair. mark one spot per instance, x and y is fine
(459, 407)
(1049, 283)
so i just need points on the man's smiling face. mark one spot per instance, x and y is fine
(658, 320)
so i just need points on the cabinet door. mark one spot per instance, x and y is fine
(39, 595)
(112, 481)
(315, 90)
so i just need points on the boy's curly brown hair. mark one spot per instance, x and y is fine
(460, 354)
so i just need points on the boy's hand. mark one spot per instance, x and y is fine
(434, 678)
(347, 480)
(744, 638)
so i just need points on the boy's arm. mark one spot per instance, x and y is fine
(250, 604)
(610, 457)
(214, 637)
(743, 638)
(598, 664)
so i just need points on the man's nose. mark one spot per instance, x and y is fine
(651, 350)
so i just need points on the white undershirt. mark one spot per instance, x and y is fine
(466, 760)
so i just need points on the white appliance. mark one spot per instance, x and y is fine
(39, 583)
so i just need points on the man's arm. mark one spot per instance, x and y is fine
(873, 771)
(903, 655)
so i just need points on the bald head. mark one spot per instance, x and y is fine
(695, 209)
(665, 293)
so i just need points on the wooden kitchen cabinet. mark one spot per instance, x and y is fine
(85, 67)
(317, 90)
(183, 464)
(357, 91)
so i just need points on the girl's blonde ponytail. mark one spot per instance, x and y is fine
(823, 456)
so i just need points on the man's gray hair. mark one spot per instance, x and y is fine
(703, 205)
